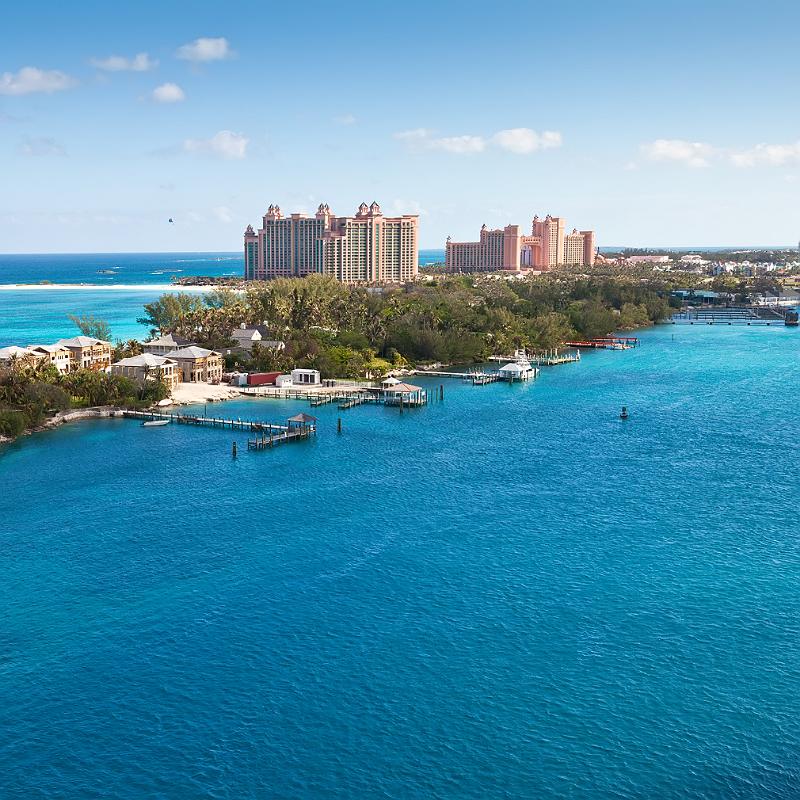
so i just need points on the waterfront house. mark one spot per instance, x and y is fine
(785, 298)
(198, 364)
(16, 356)
(87, 353)
(55, 354)
(244, 339)
(164, 344)
(149, 367)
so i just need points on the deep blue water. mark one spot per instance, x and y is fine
(511, 593)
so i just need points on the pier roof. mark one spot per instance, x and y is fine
(403, 388)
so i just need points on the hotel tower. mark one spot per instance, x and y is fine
(506, 249)
(365, 248)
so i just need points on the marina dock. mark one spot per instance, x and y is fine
(249, 426)
(607, 343)
(475, 377)
(268, 434)
(549, 358)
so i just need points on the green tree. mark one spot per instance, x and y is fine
(164, 315)
(89, 325)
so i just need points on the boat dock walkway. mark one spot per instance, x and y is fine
(250, 426)
(475, 377)
(607, 343)
(274, 439)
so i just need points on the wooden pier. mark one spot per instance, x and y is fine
(264, 442)
(249, 426)
(298, 427)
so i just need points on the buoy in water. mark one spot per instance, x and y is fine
(624, 414)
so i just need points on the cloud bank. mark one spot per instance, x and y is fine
(30, 80)
(205, 49)
(521, 141)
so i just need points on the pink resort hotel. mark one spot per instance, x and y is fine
(366, 248)
(507, 249)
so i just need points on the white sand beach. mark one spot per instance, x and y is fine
(191, 393)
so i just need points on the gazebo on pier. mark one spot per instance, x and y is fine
(395, 394)
(302, 423)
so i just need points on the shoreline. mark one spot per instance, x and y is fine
(93, 287)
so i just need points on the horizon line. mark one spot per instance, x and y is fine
(442, 249)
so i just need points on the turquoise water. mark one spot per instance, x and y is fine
(42, 315)
(511, 593)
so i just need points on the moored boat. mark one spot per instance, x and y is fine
(155, 423)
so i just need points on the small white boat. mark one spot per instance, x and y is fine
(155, 423)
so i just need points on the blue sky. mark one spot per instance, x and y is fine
(671, 123)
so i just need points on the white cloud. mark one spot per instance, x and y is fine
(44, 146)
(775, 155)
(168, 93)
(693, 154)
(525, 140)
(515, 140)
(225, 144)
(205, 49)
(223, 214)
(141, 62)
(31, 79)
(423, 139)
(702, 154)
(345, 119)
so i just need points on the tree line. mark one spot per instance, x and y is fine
(356, 331)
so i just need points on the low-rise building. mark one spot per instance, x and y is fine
(55, 354)
(245, 338)
(149, 367)
(164, 344)
(86, 352)
(198, 364)
(13, 355)
(306, 377)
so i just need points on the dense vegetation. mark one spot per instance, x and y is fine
(347, 331)
(30, 393)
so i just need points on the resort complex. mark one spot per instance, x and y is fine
(366, 248)
(507, 249)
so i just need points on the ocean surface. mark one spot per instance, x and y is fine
(511, 593)
(41, 315)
